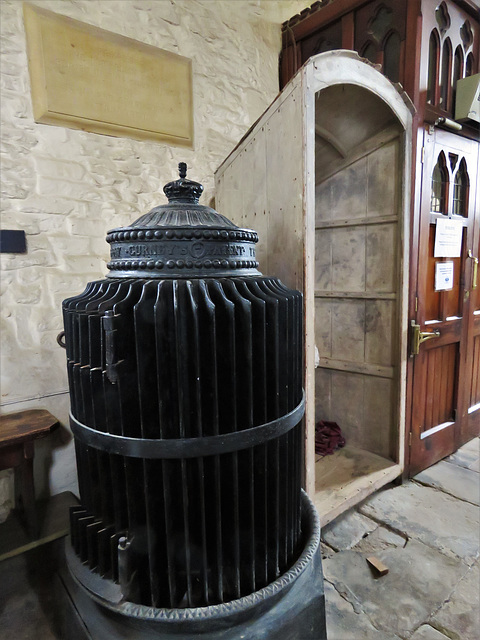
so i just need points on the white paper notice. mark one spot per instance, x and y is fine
(443, 276)
(448, 238)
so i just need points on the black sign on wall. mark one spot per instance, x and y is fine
(12, 241)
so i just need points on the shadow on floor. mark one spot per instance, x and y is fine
(27, 595)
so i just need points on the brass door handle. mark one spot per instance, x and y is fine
(420, 336)
(475, 268)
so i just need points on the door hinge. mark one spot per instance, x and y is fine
(422, 159)
(416, 304)
(410, 439)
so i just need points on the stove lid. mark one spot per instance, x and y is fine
(182, 239)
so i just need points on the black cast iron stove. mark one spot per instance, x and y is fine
(185, 373)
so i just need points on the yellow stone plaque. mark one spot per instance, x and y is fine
(87, 78)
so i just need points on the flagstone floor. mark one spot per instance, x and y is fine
(426, 531)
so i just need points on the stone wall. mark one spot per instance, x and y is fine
(66, 188)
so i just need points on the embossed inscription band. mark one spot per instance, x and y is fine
(193, 250)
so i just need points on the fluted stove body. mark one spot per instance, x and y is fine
(185, 373)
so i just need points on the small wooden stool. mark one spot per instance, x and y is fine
(17, 434)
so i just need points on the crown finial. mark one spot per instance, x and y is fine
(183, 190)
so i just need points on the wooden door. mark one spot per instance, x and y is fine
(446, 371)
(471, 425)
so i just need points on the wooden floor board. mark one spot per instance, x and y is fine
(54, 523)
(347, 477)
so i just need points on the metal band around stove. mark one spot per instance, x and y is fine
(170, 448)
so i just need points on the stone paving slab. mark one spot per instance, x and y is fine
(457, 481)
(426, 632)
(467, 456)
(459, 618)
(346, 531)
(475, 466)
(326, 551)
(420, 579)
(379, 540)
(343, 623)
(471, 445)
(433, 517)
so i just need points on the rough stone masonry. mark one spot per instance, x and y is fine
(66, 188)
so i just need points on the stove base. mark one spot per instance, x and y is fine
(300, 615)
(291, 608)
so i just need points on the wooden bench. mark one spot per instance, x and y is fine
(18, 431)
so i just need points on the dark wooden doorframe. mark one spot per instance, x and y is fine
(444, 367)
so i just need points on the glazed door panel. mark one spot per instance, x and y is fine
(446, 369)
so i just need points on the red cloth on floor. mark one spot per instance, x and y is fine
(328, 438)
